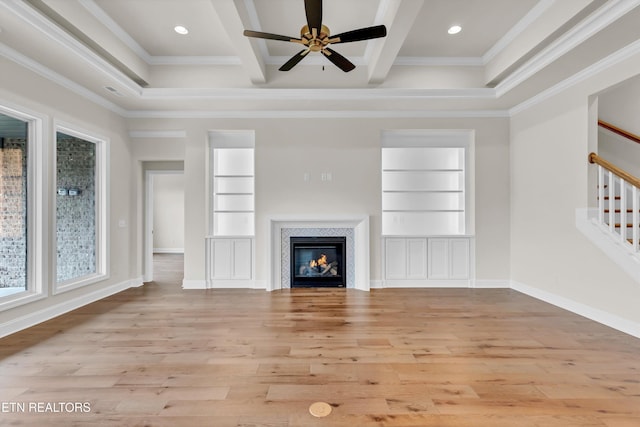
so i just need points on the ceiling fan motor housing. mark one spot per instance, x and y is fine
(318, 42)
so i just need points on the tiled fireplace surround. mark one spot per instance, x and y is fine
(355, 229)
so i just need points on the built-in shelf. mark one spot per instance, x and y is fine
(233, 191)
(423, 190)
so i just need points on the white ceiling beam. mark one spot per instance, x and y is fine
(235, 18)
(398, 16)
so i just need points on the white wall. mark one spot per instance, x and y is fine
(549, 180)
(622, 152)
(286, 149)
(620, 106)
(168, 212)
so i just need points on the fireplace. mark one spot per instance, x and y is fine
(318, 262)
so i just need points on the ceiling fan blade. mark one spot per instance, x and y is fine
(294, 60)
(261, 35)
(367, 33)
(340, 61)
(313, 9)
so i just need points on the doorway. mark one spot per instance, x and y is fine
(164, 217)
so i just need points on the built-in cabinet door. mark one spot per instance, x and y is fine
(241, 263)
(416, 258)
(427, 258)
(221, 259)
(405, 258)
(396, 258)
(438, 259)
(448, 258)
(232, 259)
(459, 258)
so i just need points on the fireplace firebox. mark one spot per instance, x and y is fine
(318, 262)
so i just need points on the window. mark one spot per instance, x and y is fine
(233, 183)
(80, 202)
(14, 188)
(425, 183)
(22, 208)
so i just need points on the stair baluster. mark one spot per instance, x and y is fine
(615, 186)
(635, 219)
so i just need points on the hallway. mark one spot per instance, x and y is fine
(168, 269)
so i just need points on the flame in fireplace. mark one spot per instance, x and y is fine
(320, 262)
(320, 267)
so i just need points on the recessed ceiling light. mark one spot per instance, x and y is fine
(181, 30)
(455, 29)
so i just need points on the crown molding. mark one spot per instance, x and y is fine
(600, 19)
(59, 35)
(315, 114)
(611, 60)
(322, 94)
(55, 77)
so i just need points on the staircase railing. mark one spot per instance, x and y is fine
(618, 202)
(617, 130)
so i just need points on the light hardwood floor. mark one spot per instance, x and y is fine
(160, 356)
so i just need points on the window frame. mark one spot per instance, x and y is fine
(101, 209)
(37, 209)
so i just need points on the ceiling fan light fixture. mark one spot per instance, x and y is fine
(454, 29)
(180, 29)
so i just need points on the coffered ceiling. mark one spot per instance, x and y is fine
(125, 54)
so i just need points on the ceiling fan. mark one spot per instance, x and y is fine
(316, 38)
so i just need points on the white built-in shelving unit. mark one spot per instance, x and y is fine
(427, 207)
(233, 192)
(423, 190)
(230, 245)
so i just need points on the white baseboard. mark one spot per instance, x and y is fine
(608, 319)
(376, 284)
(194, 284)
(168, 250)
(426, 283)
(235, 284)
(39, 316)
(491, 284)
(480, 284)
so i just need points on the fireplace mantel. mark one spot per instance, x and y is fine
(359, 225)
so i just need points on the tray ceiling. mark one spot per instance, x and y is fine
(125, 54)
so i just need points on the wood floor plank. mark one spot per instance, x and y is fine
(161, 356)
